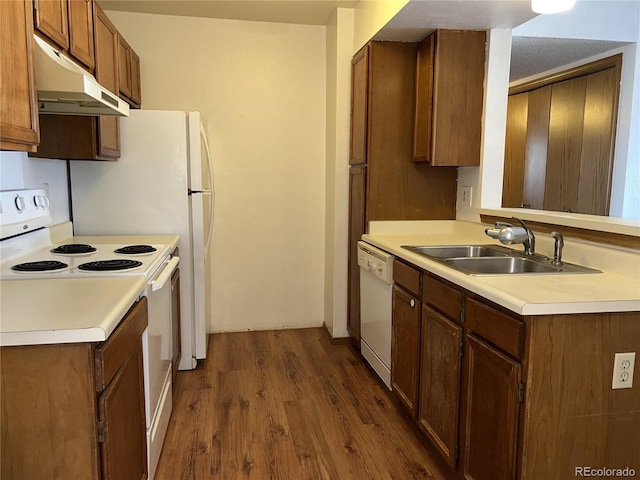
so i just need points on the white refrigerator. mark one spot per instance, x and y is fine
(162, 184)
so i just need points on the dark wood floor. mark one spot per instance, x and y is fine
(288, 405)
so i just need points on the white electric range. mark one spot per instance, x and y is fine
(30, 255)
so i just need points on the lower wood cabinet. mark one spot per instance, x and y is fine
(357, 210)
(76, 410)
(405, 348)
(503, 396)
(490, 413)
(440, 382)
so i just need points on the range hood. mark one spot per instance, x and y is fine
(65, 88)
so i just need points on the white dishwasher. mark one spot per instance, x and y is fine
(376, 284)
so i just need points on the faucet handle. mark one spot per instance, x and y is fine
(557, 247)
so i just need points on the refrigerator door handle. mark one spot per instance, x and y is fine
(210, 172)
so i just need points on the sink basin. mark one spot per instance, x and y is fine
(501, 265)
(494, 260)
(456, 251)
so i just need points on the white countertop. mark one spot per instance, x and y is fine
(616, 289)
(34, 312)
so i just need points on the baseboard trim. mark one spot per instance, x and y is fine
(336, 340)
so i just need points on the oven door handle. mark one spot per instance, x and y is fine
(169, 268)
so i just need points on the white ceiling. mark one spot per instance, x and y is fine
(532, 55)
(306, 12)
(417, 19)
(420, 17)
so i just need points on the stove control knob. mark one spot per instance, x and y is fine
(20, 203)
(37, 200)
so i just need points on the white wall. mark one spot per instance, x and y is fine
(261, 89)
(339, 53)
(18, 171)
(486, 180)
(371, 16)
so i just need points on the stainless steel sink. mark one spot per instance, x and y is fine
(457, 251)
(494, 260)
(500, 265)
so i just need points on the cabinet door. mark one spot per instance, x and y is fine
(440, 382)
(175, 324)
(136, 89)
(81, 44)
(121, 410)
(454, 120)
(491, 407)
(357, 227)
(459, 97)
(18, 102)
(107, 75)
(52, 20)
(424, 101)
(359, 106)
(124, 67)
(405, 348)
(515, 151)
(581, 133)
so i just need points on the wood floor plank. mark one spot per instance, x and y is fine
(288, 405)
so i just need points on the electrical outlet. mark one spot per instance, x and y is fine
(466, 195)
(623, 366)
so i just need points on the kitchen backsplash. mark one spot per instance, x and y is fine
(17, 170)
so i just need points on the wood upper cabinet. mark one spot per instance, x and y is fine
(19, 128)
(107, 74)
(52, 20)
(449, 96)
(76, 410)
(397, 188)
(490, 413)
(129, 73)
(69, 25)
(74, 137)
(136, 85)
(405, 348)
(81, 36)
(440, 382)
(359, 106)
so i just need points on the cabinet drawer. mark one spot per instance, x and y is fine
(406, 276)
(502, 330)
(113, 352)
(443, 297)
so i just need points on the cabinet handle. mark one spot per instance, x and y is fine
(412, 302)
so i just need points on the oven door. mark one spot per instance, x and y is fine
(158, 343)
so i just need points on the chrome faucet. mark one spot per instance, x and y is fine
(508, 234)
(557, 248)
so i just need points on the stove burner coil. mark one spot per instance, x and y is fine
(108, 265)
(40, 266)
(71, 248)
(135, 249)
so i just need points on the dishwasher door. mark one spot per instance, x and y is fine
(376, 285)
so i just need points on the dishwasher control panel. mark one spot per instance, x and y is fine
(375, 261)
